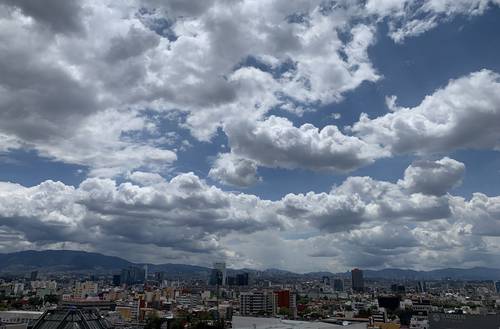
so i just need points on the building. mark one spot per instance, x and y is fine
(242, 279)
(44, 285)
(463, 321)
(215, 278)
(338, 284)
(128, 310)
(497, 287)
(85, 289)
(25, 318)
(285, 300)
(34, 275)
(257, 303)
(238, 280)
(71, 318)
(101, 305)
(133, 275)
(221, 268)
(116, 280)
(358, 282)
(421, 287)
(379, 317)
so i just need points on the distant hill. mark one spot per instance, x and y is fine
(80, 261)
(59, 260)
(475, 273)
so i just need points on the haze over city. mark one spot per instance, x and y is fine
(298, 135)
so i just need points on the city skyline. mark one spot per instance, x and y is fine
(305, 136)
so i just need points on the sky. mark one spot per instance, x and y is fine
(301, 135)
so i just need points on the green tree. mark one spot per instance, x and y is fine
(153, 322)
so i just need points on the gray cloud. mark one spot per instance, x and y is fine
(433, 177)
(362, 222)
(59, 15)
(231, 170)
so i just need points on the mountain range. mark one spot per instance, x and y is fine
(55, 261)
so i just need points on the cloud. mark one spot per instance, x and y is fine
(275, 142)
(464, 114)
(408, 18)
(231, 170)
(433, 177)
(59, 16)
(362, 222)
(183, 214)
(218, 64)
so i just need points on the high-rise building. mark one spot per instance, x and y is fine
(221, 267)
(421, 286)
(285, 299)
(257, 303)
(116, 280)
(358, 282)
(215, 278)
(133, 275)
(242, 279)
(34, 275)
(325, 280)
(338, 284)
(497, 287)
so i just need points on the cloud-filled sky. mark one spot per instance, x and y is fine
(302, 135)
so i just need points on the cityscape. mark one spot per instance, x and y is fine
(249, 164)
(222, 297)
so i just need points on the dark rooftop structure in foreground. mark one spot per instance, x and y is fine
(71, 318)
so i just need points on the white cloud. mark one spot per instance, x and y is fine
(407, 18)
(465, 114)
(187, 219)
(275, 142)
(433, 177)
(231, 170)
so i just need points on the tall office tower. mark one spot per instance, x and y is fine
(221, 267)
(497, 287)
(421, 286)
(358, 283)
(116, 280)
(338, 284)
(215, 277)
(242, 279)
(34, 275)
(326, 280)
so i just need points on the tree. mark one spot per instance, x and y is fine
(285, 312)
(153, 322)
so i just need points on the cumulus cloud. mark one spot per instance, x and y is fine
(182, 214)
(465, 114)
(362, 222)
(228, 63)
(433, 177)
(276, 142)
(231, 170)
